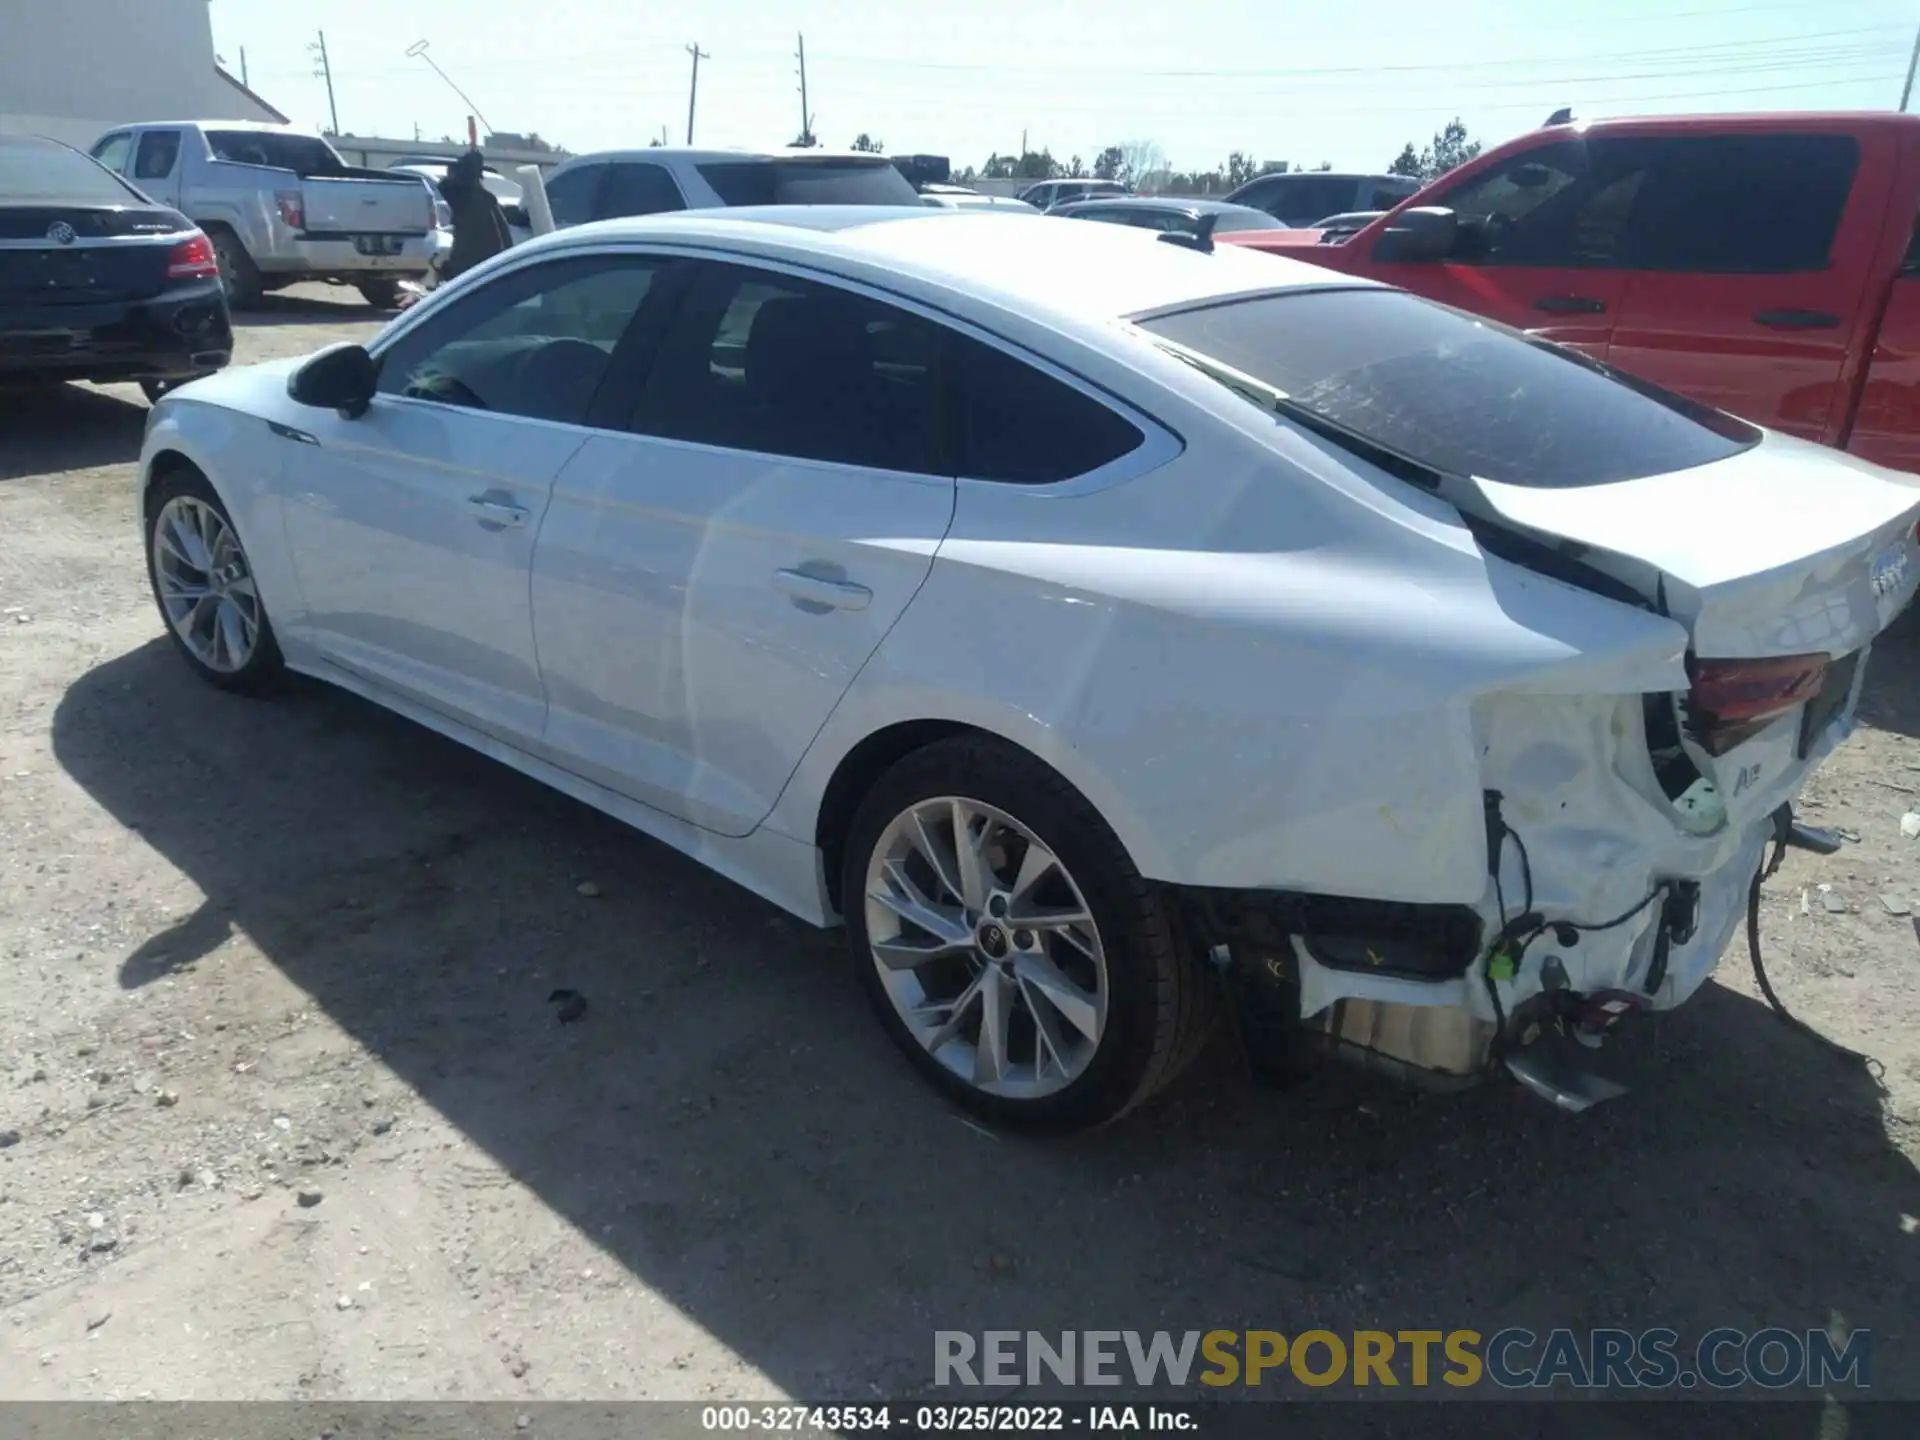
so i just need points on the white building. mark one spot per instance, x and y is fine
(73, 69)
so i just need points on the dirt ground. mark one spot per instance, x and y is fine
(295, 1118)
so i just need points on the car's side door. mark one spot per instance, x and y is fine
(412, 526)
(1751, 255)
(707, 586)
(1542, 241)
(156, 165)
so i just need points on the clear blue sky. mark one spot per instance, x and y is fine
(1348, 81)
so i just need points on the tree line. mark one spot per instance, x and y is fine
(1142, 164)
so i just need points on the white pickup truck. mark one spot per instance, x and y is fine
(280, 206)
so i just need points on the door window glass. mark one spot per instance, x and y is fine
(571, 196)
(113, 151)
(158, 150)
(1018, 424)
(1745, 204)
(638, 189)
(760, 362)
(1560, 206)
(534, 342)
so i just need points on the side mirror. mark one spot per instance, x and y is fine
(1426, 232)
(340, 377)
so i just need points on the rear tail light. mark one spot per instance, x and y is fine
(1733, 700)
(193, 259)
(293, 207)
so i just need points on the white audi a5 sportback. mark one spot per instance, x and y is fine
(1098, 626)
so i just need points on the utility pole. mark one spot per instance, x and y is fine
(325, 72)
(243, 68)
(806, 116)
(1023, 142)
(1906, 92)
(693, 90)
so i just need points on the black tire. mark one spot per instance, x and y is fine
(238, 274)
(1162, 1003)
(381, 294)
(265, 668)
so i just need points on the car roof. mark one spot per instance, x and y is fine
(1091, 273)
(1195, 205)
(698, 155)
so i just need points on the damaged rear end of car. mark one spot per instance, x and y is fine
(1628, 798)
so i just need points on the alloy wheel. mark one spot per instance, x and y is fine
(986, 947)
(206, 587)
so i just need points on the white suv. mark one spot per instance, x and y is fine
(617, 183)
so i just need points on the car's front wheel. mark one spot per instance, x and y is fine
(1009, 945)
(204, 585)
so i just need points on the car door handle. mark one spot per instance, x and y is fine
(496, 514)
(815, 590)
(1796, 319)
(1570, 305)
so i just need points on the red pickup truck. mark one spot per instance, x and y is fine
(1767, 265)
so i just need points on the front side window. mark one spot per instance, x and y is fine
(114, 150)
(158, 151)
(535, 343)
(638, 189)
(1302, 199)
(1452, 392)
(571, 196)
(807, 182)
(760, 362)
(1561, 206)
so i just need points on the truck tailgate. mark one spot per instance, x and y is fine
(367, 207)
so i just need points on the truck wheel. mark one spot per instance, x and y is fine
(238, 274)
(381, 294)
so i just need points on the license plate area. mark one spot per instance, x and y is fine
(379, 244)
(1824, 708)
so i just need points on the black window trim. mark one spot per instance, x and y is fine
(627, 366)
(1161, 442)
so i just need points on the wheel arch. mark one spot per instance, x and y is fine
(863, 762)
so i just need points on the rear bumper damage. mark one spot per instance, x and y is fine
(1604, 899)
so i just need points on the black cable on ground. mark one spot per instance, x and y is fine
(1787, 1017)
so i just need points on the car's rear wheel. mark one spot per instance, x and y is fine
(1009, 945)
(205, 586)
(239, 276)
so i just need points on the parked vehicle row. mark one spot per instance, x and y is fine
(97, 282)
(1480, 675)
(1765, 265)
(280, 206)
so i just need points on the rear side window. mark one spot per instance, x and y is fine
(761, 362)
(1018, 424)
(1455, 393)
(638, 189)
(302, 154)
(571, 196)
(1744, 204)
(807, 182)
(42, 172)
(1302, 199)
(158, 150)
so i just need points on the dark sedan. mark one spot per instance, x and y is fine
(1156, 212)
(96, 281)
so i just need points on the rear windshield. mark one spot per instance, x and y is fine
(38, 171)
(807, 182)
(1455, 393)
(302, 154)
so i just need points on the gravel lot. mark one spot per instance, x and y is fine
(295, 1119)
